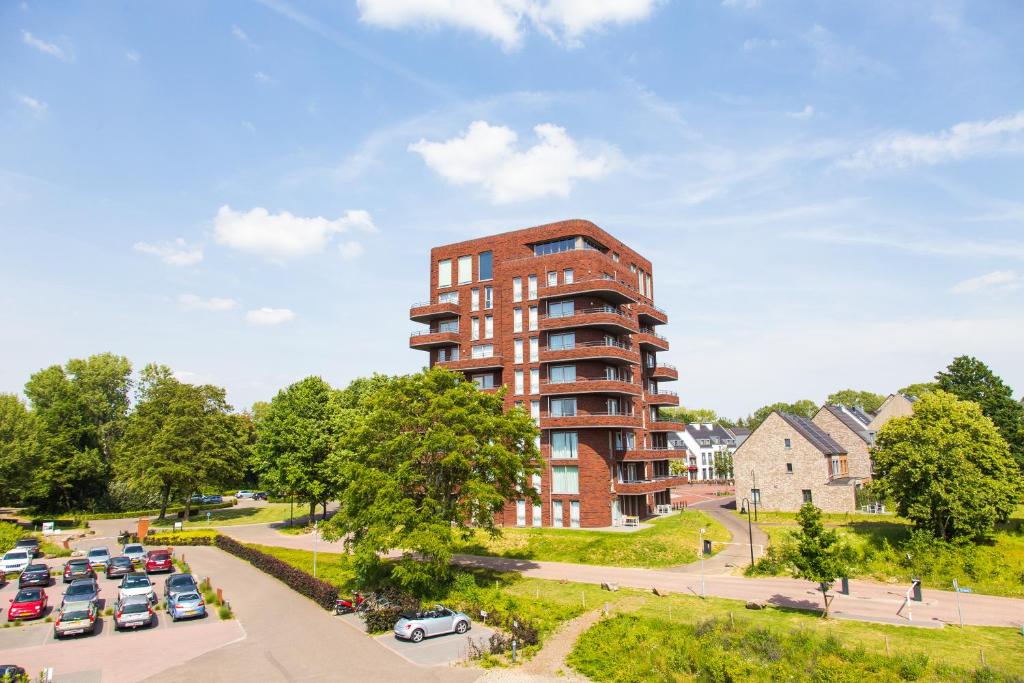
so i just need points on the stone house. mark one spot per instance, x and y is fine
(848, 426)
(897, 405)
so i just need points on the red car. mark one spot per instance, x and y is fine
(158, 561)
(29, 603)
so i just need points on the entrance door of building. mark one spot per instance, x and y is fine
(616, 513)
(574, 514)
(556, 513)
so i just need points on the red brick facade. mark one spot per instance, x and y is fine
(595, 380)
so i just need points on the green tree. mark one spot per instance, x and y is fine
(81, 410)
(865, 400)
(428, 458)
(818, 555)
(947, 468)
(804, 407)
(919, 389)
(971, 380)
(19, 448)
(294, 439)
(179, 439)
(697, 416)
(723, 465)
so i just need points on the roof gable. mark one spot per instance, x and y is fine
(813, 433)
(851, 421)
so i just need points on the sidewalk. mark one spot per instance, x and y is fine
(729, 558)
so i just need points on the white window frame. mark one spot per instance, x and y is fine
(568, 276)
(474, 299)
(444, 273)
(552, 278)
(517, 319)
(565, 479)
(488, 327)
(517, 352)
(534, 349)
(517, 289)
(520, 513)
(465, 270)
(531, 287)
(538, 515)
(533, 318)
(474, 329)
(518, 382)
(488, 297)
(534, 380)
(565, 444)
(482, 351)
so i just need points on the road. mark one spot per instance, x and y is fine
(736, 555)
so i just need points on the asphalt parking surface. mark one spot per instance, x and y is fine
(443, 650)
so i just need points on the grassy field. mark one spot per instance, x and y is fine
(681, 638)
(880, 546)
(271, 512)
(672, 540)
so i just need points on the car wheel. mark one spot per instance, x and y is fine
(461, 627)
(417, 635)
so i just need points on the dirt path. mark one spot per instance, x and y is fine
(549, 664)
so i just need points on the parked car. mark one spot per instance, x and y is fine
(260, 495)
(244, 494)
(196, 498)
(28, 603)
(119, 566)
(416, 626)
(213, 499)
(179, 583)
(133, 611)
(30, 544)
(76, 618)
(35, 575)
(135, 551)
(186, 604)
(15, 561)
(78, 568)
(82, 590)
(11, 672)
(98, 558)
(158, 561)
(136, 584)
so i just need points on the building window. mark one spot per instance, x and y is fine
(561, 309)
(485, 266)
(807, 495)
(562, 407)
(533, 318)
(534, 380)
(615, 256)
(755, 495)
(567, 276)
(483, 351)
(556, 513)
(520, 513)
(574, 514)
(449, 325)
(562, 341)
(536, 483)
(565, 479)
(488, 326)
(474, 299)
(448, 298)
(447, 354)
(535, 410)
(537, 513)
(465, 269)
(789, 468)
(517, 289)
(488, 297)
(485, 381)
(564, 445)
(444, 273)
(552, 278)
(558, 374)
(534, 349)
(517, 351)
(650, 286)
(787, 443)
(531, 287)
(474, 329)
(519, 382)
(517, 320)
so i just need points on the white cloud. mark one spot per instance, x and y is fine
(52, 49)
(996, 281)
(804, 114)
(350, 250)
(755, 43)
(504, 20)
(174, 253)
(249, 126)
(38, 107)
(269, 316)
(262, 77)
(191, 302)
(241, 36)
(967, 139)
(283, 235)
(132, 56)
(485, 155)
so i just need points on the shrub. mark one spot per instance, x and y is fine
(224, 612)
(775, 561)
(381, 619)
(320, 592)
(911, 667)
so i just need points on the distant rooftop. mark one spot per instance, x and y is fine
(813, 433)
(855, 419)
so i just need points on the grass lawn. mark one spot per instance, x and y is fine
(271, 512)
(672, 540)
(681, 638)
(880, 547)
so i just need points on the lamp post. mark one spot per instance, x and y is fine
(314, 548)
(750, 530)
(702, 531)
(755, 494)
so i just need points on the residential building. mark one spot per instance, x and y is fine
(848, 426)
(704, 442)
(571, 333)
(896, 405)
(788, 461)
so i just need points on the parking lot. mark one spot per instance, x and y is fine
(437, 651)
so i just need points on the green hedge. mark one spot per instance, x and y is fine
(68, 522)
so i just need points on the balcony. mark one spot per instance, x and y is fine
(652, 485)
(665, 424)
(649, 314)
(663, 372)
(425, 311)
(427, 339)
(648, 340)
(590, 385)
(662, 397)
(487, 363)
(615, 291)
(591, 419)
(612, 352)
(653, 453)
(607, 318)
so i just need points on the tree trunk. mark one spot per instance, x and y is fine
(188, 507)
(312, 512)
(824, 596)
(325, 510)
(165, 497)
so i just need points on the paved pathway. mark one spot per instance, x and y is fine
(729, 558)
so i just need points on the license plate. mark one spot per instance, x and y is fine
(73, 632)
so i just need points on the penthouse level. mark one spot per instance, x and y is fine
(564, 315)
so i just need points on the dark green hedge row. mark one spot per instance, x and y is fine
(320, 592)
(80, 519)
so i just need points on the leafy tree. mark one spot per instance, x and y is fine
(865, 400)
(427, 459)
(19, 446)
(723, 465)
(919, 389)
(179, 439)
(947, 468)
(294, 440)
(697, 415)
(971, 380)
(818, 555)
(804, 407)
(81, 410)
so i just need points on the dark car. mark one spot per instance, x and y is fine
(260, 495)
(158, 561)
(82, 590)
(29, 544)
(11, 672)
(35, 575)
(213, 499)
(179, 583)
(119, 566)
(78, 568)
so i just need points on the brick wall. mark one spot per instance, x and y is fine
(858, 457)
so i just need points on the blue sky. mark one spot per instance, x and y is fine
(832, 194)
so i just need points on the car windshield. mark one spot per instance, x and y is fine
(98, 552)
(27, 595)
(188, 597)
(135, 608)
(133, 548)
(135, 582)
(25, 542)
(121, 561)
(80, 589)
(182, 580)
(16, 555)
(160, 557)
(75, 614)
(36, 568)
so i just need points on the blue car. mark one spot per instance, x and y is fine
(213, 499)
(186, 605)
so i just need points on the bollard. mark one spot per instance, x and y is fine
(513, 649)
(220, 596)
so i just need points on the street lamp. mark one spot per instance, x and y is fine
(702, 532)
(750, 531)
(314, 548)
(755, 493)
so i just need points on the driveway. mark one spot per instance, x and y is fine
(735, 555)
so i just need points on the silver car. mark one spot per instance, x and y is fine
(75, 619)
(416, 626)
(135, 551)
(133, 611)
(98, 558)
(82, 590)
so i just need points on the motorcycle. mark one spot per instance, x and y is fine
(356, 603)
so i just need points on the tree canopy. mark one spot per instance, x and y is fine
(697, 415)
(865, 400)
(426, 459)
(18, 446)
(819, 555)
(804, 407)
(918, 389)
(947, 468)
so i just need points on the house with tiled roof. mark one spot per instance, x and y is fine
(848, 426)
(790, 460)
(896, 405)
(703, 441)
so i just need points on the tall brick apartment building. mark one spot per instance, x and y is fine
(564, 315)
